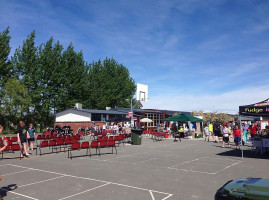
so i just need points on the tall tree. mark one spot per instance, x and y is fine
(5, 64)
(109, 84)
(25, 62)
(74, 78)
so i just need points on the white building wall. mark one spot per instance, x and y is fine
(73, 116)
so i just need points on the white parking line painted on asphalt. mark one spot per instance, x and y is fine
(151, 194)
(17, 172)
(187, 162)
(19, 194)
(85, 191)
(106, 182)
(203, 172)
(51, 179)
(227, 167)
(167, 197)
(144, 161)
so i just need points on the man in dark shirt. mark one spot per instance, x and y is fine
(22, 137)
(216, 130)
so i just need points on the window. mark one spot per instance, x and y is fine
(96, 117)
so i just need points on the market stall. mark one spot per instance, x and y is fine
(261, 110)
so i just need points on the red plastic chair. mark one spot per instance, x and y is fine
(7, 149)
(14, 139)
(15, 147)
(85, 145)
(94, 145)
(43, 144)
(112, 144)
(52, 144)
(60, 143)
(75, 146)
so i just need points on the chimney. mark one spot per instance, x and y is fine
(108, 108)
(78, 106)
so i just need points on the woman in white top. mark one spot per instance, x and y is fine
(226, 135)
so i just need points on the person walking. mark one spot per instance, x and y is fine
(237, 136)
(22, 137)
(31, 139)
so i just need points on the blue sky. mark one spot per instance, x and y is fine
(194, 55)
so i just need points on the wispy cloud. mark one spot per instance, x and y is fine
(191, 49)
(227, 102)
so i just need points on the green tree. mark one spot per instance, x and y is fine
(73, 78)
(15, 101)
(109, 84)
(5, 64)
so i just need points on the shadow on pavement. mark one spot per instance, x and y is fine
(4, 190)
(246, 154)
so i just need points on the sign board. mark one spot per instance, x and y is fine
(130, 114)
(135, 118)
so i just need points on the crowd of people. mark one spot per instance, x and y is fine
(117, 127)
(226, 131)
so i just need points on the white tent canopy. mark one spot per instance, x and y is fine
(146, 120)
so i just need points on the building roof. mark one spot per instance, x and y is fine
(111, 112)
(168, 112)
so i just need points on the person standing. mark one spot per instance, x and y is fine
(216, 130)
(210, 129)
(206, 132)
(22, 136)
(245, 131)
(158, 127)
(226, 137)
(31, 139)
(253, 130)
(92, 128)
(237, 136)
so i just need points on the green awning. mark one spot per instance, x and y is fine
(183, 118)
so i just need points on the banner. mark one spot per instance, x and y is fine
(254, 110)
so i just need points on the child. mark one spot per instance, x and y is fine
(237, 137)
(31, 135)
(2, 148)
(225, 132)
(206, 132)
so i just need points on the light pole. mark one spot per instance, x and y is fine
(130, 101)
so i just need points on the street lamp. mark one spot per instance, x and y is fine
(130, 101)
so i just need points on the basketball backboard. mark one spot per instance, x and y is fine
(141, 92)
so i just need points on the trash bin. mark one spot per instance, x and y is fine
(136, 136)
(243, 189)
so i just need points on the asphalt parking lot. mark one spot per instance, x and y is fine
(191, 169)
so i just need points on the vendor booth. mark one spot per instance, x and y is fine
(185, 118)
(261, 109)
